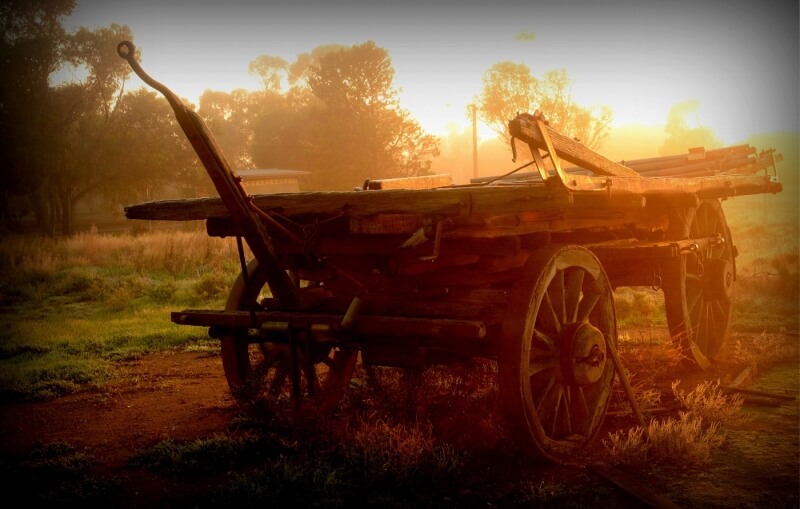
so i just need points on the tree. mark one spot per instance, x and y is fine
(362, 132)
(270, 70)
(680, 136)
(230, 117)
(32, 46)
(83, 164)
(510, 89)
(148, 150)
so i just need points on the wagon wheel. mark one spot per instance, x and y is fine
(698, 287)
(264, 370)
(555, 377)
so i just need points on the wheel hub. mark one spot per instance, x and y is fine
(718, 279)
(583, 355)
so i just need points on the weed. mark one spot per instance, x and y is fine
(212, 285)
(680, 441)
(378, 448)
(708, 402)
(533, 493)
(764, 349)
(212, 454)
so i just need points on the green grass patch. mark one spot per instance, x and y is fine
(69, 309)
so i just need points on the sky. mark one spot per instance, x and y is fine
(738, 59)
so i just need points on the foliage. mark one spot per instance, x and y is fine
(681, 135)
(70, 140)
(510, 89)
(74, 139)
(341, 117)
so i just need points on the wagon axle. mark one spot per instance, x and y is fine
(583, 354)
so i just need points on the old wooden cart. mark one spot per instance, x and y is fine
(519, 269)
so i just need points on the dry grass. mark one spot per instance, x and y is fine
(177, 252)
(679, 441)
(689, 439)
(764, 349)
(708, 402)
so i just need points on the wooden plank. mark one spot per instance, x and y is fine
(757, 393)
(445, 201)
(617, 191)
(718, 186)
(524, 128)
(644, 166)
(421, 182)
(362, 324)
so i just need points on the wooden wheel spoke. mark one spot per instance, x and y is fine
(538, 365)
(572, 293)
(559, 398)
(567, 409)
(693, 300)
(543, 339)
(545, 393)
(547, 316)
(719, 309)
(556, 294)
(587, 305)
(579, 403)
(703, 327)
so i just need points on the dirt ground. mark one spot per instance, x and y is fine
(184, 396)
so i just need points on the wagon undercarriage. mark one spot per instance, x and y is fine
(519, 269)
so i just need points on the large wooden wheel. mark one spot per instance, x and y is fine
(698, 287)
(555, 372)
(256, 371)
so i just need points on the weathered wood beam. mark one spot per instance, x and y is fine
(362, 324)
(446, 202)
(524, 128)
(421, 182)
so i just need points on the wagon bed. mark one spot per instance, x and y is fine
(518, 268)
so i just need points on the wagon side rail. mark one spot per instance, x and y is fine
(228, 185)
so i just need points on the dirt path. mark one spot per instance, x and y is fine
(183, 396)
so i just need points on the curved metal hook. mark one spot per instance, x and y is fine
(127, 50)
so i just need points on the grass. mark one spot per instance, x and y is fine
(70, 309)
(689, 439)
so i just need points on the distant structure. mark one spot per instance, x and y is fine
(271, 181)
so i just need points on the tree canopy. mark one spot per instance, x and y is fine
(65, 141)
(510, 89)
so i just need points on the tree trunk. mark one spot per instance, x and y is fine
(65, 200)
(41, 212)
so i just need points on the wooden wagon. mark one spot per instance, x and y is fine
(518, 268)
